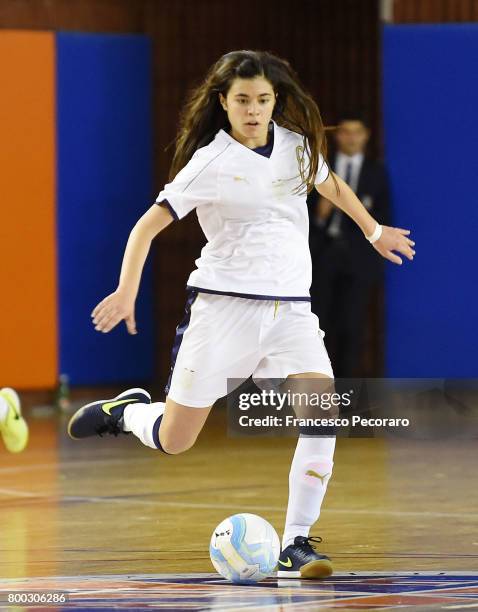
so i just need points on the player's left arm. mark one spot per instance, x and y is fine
(392, 238)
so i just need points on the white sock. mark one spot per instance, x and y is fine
(3, 408)
(309, 474)
(141, 420)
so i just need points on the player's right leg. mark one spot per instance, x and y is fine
(106, 416)
(180, 426)
(217, 341)
(167, 426)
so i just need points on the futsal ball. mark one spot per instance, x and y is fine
(244, 548)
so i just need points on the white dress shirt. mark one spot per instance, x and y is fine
(341, 163)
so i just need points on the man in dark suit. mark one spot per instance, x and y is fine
(346, 269)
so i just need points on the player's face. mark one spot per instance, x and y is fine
(249, 104)
(351, 137)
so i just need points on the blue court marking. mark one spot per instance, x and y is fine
(380, 590)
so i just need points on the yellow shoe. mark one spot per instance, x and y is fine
(13, 428)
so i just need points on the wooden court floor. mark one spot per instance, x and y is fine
(112, 506)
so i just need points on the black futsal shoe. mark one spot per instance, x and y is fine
(299, 560)
(105, 416)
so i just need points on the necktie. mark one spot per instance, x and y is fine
(334, 227)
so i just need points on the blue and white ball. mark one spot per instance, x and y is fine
(244, 548)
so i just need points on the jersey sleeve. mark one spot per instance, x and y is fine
(322, 167)
(194, 186)
(322, 172)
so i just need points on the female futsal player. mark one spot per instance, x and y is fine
(250, 145)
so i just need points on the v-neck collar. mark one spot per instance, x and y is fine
(232, 140)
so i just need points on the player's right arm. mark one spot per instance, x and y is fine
(195, 185)
(119, 305)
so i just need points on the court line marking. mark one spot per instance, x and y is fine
(430, 576)
(200, 505)
(69, 464)
(15, 493)
(348, 596)
(348, 575)
(424, 594)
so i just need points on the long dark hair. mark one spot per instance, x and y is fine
(295, 109)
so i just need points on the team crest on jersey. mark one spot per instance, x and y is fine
(299, 153)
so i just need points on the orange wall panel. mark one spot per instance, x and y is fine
(28, 286)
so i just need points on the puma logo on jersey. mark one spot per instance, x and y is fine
(316, 475)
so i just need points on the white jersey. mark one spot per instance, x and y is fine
(255, 223)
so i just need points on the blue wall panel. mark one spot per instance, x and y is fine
(430, 96)
(104, 130)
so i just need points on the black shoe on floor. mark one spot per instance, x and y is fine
(300, 560)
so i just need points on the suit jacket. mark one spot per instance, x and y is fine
(374, 192)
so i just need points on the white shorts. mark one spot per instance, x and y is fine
(224, 337)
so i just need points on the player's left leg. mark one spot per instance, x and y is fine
(294, 352)
(13, 427)
(309, 475)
